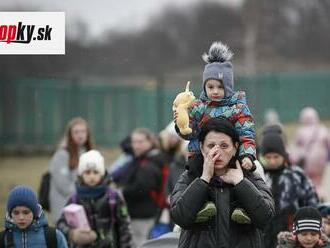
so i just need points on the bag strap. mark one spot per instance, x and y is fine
(112, 194)
(74, 198)
(50, 237)
(7, 239)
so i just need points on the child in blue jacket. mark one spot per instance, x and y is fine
(26, 224)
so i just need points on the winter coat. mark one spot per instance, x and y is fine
(143, 178)
(191, 193)
(235, 109)
(107, 225)
(62, 182)
(288, 240)
(291, 190)
(33, 236)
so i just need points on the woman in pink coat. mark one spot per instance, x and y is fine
(312, 147)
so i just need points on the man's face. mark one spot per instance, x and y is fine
(273, 160)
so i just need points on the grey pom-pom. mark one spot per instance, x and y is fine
(218, 52)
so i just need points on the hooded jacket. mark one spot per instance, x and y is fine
(235, 109)
(33, 236)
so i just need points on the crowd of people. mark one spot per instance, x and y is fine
(214, 187)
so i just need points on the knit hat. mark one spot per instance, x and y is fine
(275, 128)
(91, 160)
(23, 196)
(219, 67)
(273, 142)
(307, 219)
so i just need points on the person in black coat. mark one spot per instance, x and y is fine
(143, 179)
(217, 176)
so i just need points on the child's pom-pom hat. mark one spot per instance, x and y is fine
(219, 67)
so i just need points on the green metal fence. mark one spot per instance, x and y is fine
(35, 111)
(288, 94)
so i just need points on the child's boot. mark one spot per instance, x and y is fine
(208, 211)
(240, 216)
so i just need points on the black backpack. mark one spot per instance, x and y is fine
(44, 189)
(50, 237)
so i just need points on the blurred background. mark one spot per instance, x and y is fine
(126, 60)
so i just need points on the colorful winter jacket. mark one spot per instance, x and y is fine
(233, 108)
(291, 189)
(110, 222)
(33, 236)
(288, 240)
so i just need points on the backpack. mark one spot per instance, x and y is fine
(49, 232)
(44, 189)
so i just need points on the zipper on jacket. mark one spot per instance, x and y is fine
(24, 239)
